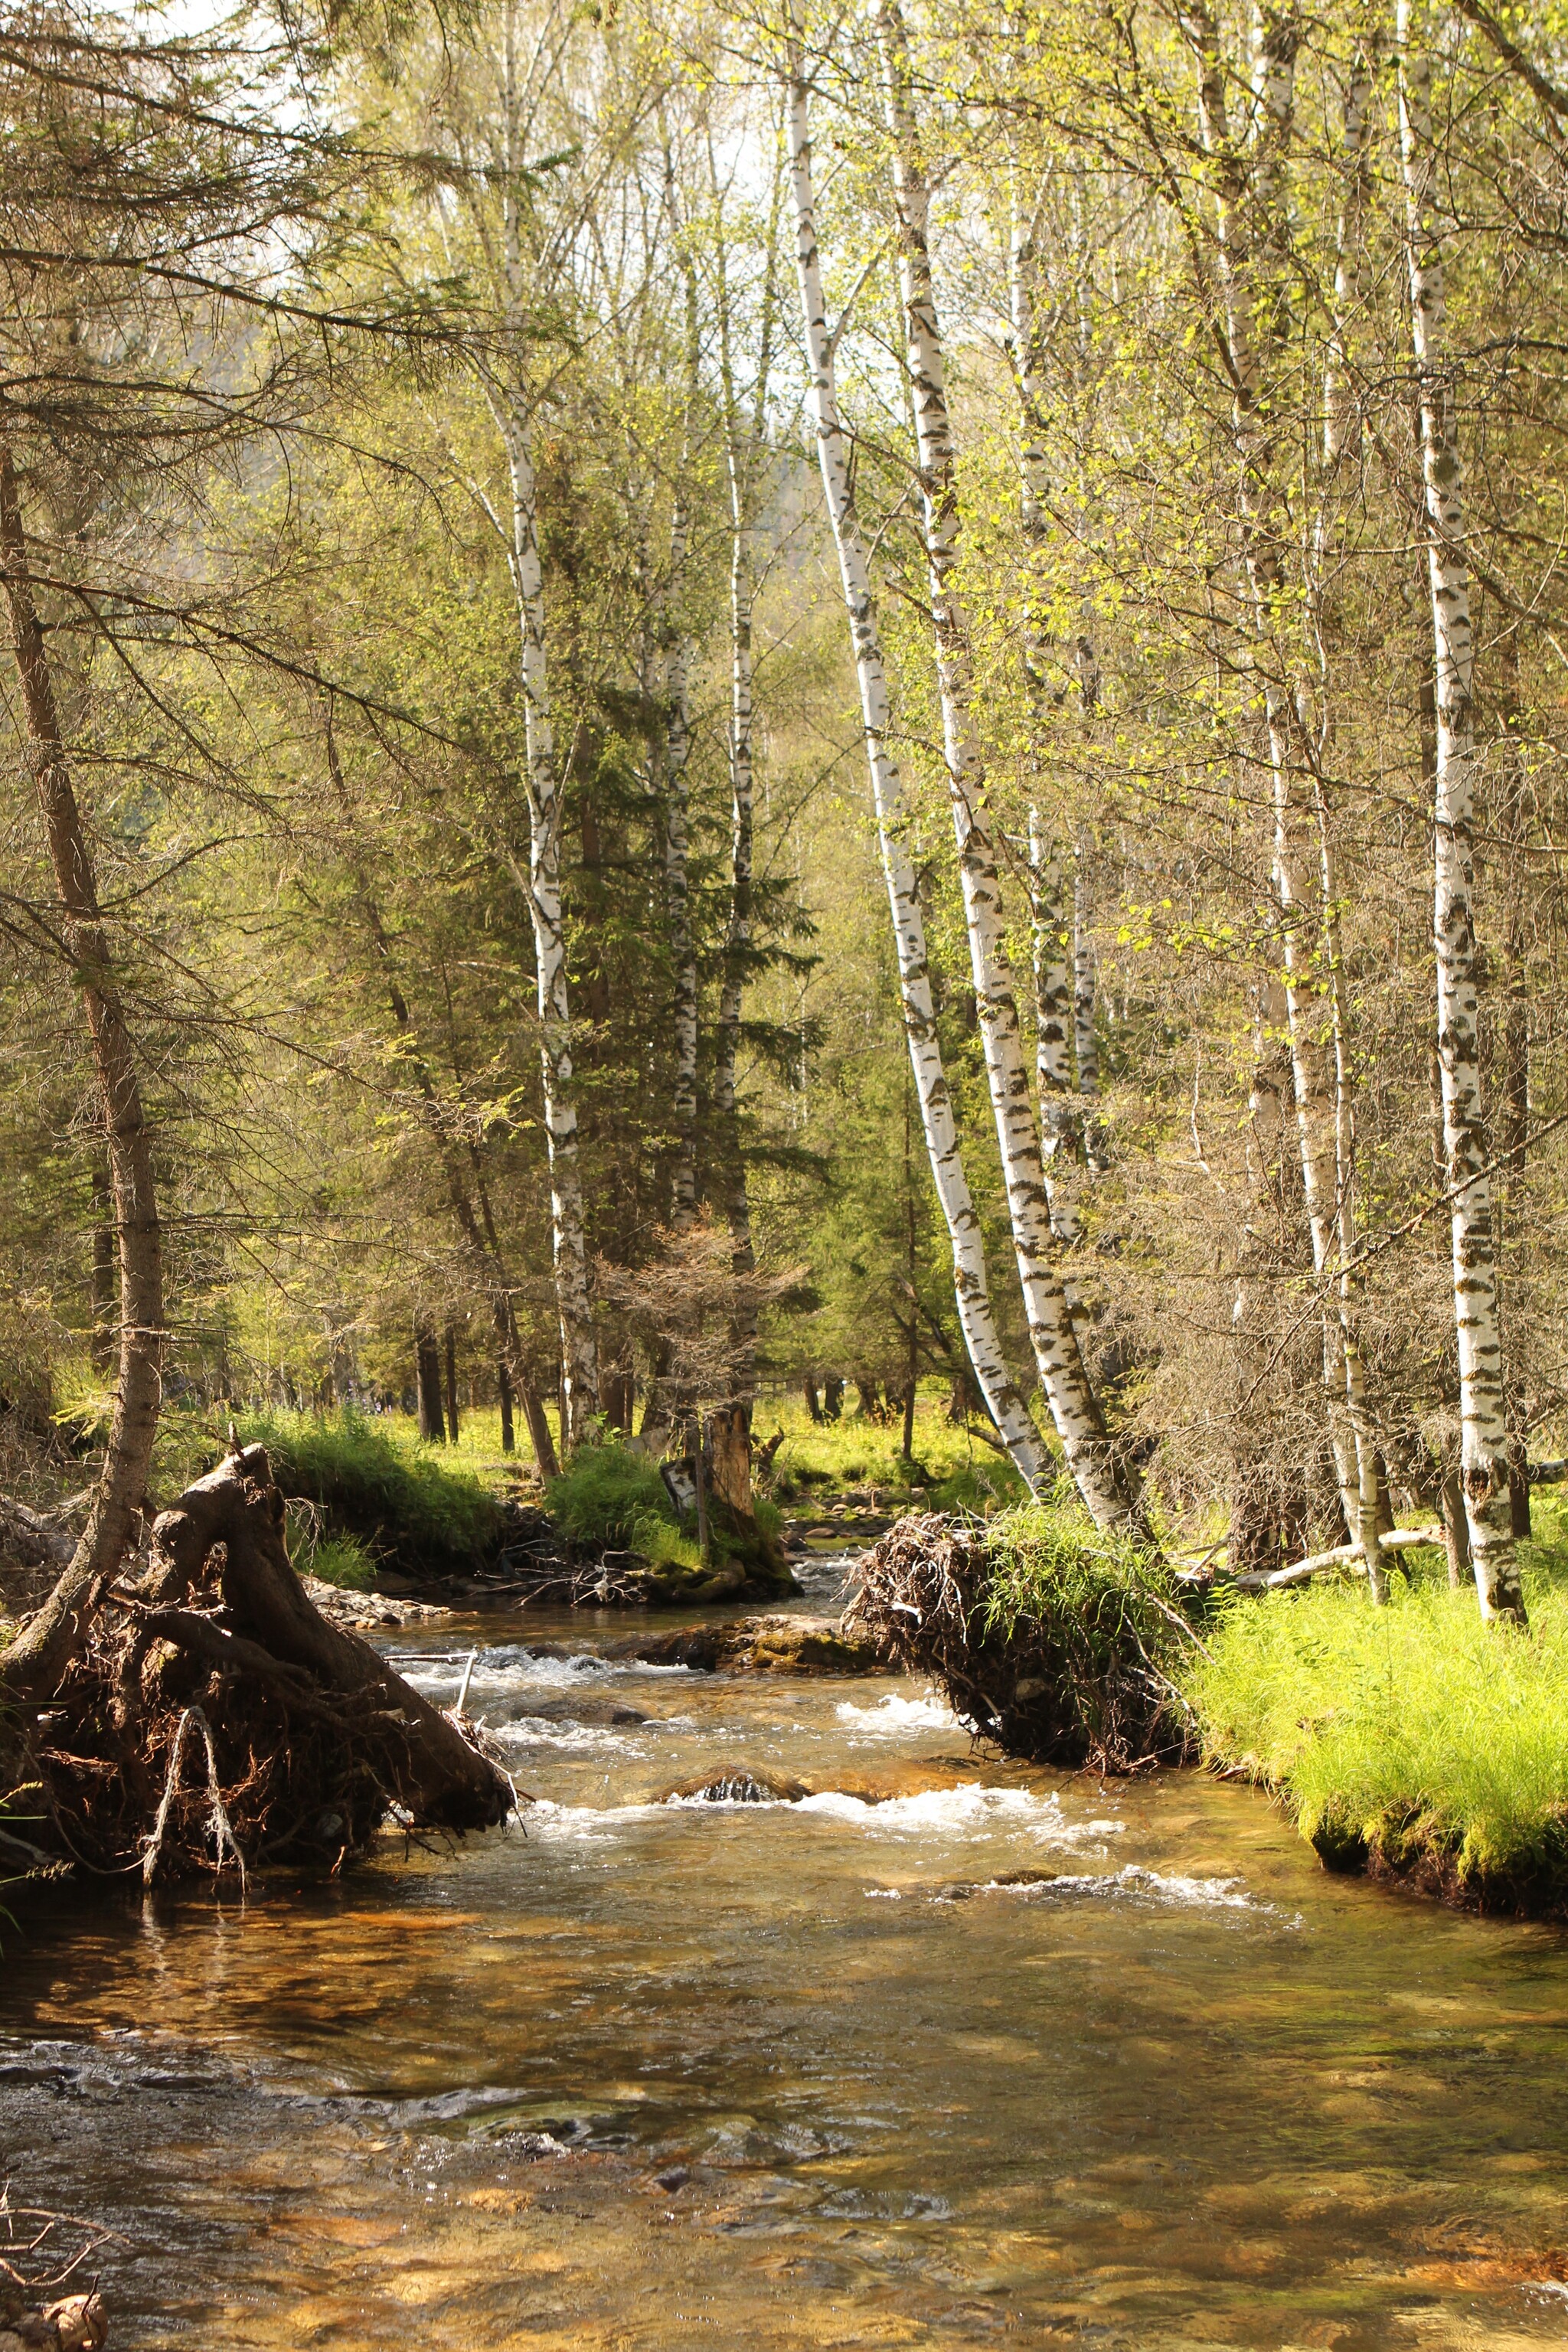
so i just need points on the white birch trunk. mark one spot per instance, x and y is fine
(677, 802)
(1106, 1485)
(1464, 1141)
(579, 1355)
(971, 1286)
(744, 445)
(1085, 1048)
(1252, 277)
(1060, 1117)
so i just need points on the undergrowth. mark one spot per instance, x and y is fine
(952, 1470)
(399, 1503)
(1412, 1736)
(609, 1500)
(1057, 1639)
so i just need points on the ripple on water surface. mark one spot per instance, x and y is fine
(944, 2051)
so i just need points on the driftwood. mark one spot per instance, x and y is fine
(307, 1735)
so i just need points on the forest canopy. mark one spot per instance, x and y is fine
(906, 662)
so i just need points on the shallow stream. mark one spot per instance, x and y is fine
(951, 2053)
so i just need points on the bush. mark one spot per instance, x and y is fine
(609, 1500)
(400, 1504)
(336, 1559)
(1058, 1640)
(1413, 1736)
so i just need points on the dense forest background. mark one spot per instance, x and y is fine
(446, 916)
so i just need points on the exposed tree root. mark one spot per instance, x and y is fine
(213, 1718)
(1072, 1685)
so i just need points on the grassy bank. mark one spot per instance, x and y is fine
(609, 1500)
(952, 1470)
(1410, 1740)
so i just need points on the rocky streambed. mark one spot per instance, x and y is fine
(783, 2015)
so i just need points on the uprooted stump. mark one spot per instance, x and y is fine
(1066, 1664)
(214, 1716)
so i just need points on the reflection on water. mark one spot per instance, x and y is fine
(949, 2052)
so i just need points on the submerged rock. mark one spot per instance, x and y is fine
(599, 1714)
(774, 1645)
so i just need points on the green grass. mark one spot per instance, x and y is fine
(399, 1500)
(334, 1558)
(610, 1500)
(956, 1471)
(1049, 1560)
(1412, 1733)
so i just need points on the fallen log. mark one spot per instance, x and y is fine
(238, 1506)
(1350, 1556)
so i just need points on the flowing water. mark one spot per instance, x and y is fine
(949, 2052)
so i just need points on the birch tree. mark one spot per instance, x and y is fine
(526, 269)
(971, 1284)
(1467, 1150)
(1103, 1479)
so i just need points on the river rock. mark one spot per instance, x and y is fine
(773, 1645)
(599, 1714)
(744, 1786)
(360, 1610)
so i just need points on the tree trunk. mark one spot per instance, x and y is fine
(504, 1399)
(743, 446)
(1252, 273)
(445, 1782)
(971, 1284)
(833, 1398)
(1466, 1151)
(813, 1398)
(676, 790)
(541, 885)
(451, 1369)
(427, 1385)
(479, 1231)
(539, 1431)
(1061, 1116)
(32, 1664)
(1085, 1045)
(104, 1268)
(1105, 1479)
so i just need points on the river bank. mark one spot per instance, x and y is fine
(1010, 2053)
(1409, 1741)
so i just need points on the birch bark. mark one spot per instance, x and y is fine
(744, 440)
(1060, 1116)
(1252, 250)
(677, 755)
(970, 1284)
(1484, 1466)
(541, 887)
(1104, 1480)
